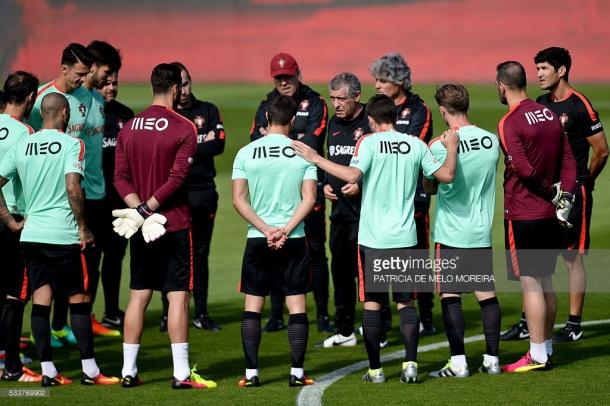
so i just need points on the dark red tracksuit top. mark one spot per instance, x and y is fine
(153, 153)
(537, 154)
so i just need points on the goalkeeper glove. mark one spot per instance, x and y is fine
(130, 220)
(564, 205)
(152, 228)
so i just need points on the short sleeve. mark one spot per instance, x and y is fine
(311, 172)
(238, 167)
(439, 152)
(429, 162)
(363, 155)
(8, 166)
(74, 158)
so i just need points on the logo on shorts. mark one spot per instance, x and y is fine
(199, 120)
(82, 109)
(358, 133)
(304, 105)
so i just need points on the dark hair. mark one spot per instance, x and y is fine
(453, 97)
(18, 86)
(281, 110)
(75, 53)
(182, 68)
(381, 109)
(556, 57)
(105, 54)
(163, 77)
(2, 101)
(511, 74)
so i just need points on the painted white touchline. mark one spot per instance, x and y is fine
(312, 395)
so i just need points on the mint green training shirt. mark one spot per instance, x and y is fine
(465, 207)
(42, 161)
(11, 132)
(275, 175)
(390, 162)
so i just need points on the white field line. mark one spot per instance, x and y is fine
(312, 395)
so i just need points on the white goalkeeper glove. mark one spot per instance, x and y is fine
(152, 228)
(127, 222)
(130, 220)
(564, 205)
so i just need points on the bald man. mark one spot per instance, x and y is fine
(49, 165)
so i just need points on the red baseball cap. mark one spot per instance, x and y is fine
(283, 64)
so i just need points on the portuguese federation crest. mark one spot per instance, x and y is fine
(199, 121)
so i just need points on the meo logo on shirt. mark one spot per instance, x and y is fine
(537, 116)
(151, 123)
(272, 152)
(394, 147)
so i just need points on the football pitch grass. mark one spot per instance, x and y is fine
(580, 375)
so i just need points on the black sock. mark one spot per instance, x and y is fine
(251, 337)
(453, 319)
(80, 317)
(12, 321)
(574, 320)
(490, 317)
(60, 312)
(298, 333)
(371, 330)
(409, 329)
(42, 331)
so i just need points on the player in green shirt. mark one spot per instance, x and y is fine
(462, 232)
(106, 60)
(20, 93)
(274, 190)
(49, 164)
(388, 164)
(76, 63)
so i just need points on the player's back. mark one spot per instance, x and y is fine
(42, 160)
(150, 144)
(465, 207)
(390, 162)
(531, 136)
(275, 176)
(11, 132)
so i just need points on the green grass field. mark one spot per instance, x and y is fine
(580, 375)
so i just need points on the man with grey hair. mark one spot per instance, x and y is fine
(393, 78)
(346, 127)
